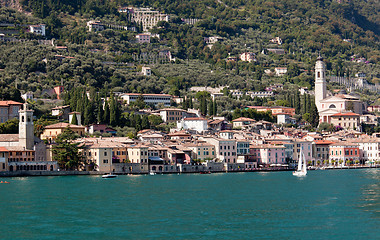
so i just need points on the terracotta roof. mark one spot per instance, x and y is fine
(8, 137)
(179, 134)
(323, 142)
(346, 114)
(241, 119)
(62, 125)
(3, 149)
(344, 144)
(18, 148)
(7, 103)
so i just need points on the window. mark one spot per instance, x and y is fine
(105, 153)
(105, 160)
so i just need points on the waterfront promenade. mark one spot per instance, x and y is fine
(339, 204)
(81, 173)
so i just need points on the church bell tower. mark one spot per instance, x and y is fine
(320, 82)
(26, 128)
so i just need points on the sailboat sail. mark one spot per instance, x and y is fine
(304, 163)
(300, 162)
(301, 169)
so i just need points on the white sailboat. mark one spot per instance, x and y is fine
(301, 170)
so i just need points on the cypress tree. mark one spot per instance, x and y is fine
(100, 112)
(215, 110)
(106, 115)
(210, 108)
(74, 120)
(203, 106)
(314, 116)
(112, 112)
(191, 103)
(88, 114)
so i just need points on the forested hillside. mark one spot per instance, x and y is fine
(111, 59)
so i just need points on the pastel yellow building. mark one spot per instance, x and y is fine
(138, 153)
(52, 131)
(201, 151)
(347, 120)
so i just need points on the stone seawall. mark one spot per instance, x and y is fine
(47, 173)
(180, 170)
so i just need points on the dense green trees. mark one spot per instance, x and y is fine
(252, 113)
(66, 152)
(98, 60)
(9, 127)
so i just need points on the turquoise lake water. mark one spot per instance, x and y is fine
(334, 204)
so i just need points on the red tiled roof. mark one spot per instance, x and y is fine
(3, 149)
(322, 142)
(62, 125)
(346, 114)
(7, 103)
(241, 119)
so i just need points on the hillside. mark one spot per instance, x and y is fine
(111, 59)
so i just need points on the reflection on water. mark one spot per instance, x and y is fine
(370, 199)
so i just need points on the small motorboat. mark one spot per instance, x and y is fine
(205, 172)
(109, 175)
(152, 173)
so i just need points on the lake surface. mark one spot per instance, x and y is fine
(334, 204)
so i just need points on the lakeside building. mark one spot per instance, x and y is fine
(284, 118)
(267, 154)
(342, 152)
(348, 120)
(201, 151)
(153, 99)
(172, 114)
(225, 150)
(369, 150)
(242, 122)
(321, 150)
(51, 132)
(196, 124)
(23, 151)
(9, 110)
(305, 147)
(329, 107)
(180, 135)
